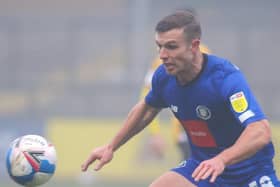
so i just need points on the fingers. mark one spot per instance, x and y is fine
(207, 169)
(214, 176)
(100, 164)
(202, 172)
(205, 173)
(106, 158)
(196, 172)
(88, 162)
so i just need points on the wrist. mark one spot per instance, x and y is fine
(223, 160)
(110, 147)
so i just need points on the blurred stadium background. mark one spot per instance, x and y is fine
(71, 70)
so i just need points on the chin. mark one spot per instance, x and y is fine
(171, 71)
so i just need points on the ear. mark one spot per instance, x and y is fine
(195, 45)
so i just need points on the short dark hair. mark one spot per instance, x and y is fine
(186, 19)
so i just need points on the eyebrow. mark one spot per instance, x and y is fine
(168, 42)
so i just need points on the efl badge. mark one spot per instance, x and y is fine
(203, 112)
(239, 102)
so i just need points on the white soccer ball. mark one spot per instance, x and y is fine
(31, 160)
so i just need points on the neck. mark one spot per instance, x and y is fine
(193, 71)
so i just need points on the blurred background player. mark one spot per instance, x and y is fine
(156, 143)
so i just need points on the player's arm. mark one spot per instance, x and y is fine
(138, 118)
(255, 136)
(256, 133)
(246, 110)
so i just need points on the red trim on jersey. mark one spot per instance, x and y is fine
(199, 133)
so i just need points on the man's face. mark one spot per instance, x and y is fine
(174, 51)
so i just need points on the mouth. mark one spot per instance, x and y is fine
(169, 67)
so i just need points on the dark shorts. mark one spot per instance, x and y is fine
(265, 177)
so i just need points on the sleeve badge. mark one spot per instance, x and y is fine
(239, 102)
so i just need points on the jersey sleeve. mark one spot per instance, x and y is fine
(154, 96)
(240, 99)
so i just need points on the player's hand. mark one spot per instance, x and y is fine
(104, 154)
(209, 168)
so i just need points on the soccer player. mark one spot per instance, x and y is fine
(156, 141)
(229, 135)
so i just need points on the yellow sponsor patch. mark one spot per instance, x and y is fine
(239, 102)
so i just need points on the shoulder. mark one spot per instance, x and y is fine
(222, 73)
(221, 67)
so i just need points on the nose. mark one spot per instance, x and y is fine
(163, 54)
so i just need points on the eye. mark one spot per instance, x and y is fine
(171, 46)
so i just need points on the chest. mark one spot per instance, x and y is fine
(197, 101)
